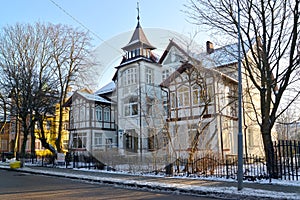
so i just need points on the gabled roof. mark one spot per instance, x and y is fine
(93, 97)
(226, 55)
(170, 45)
(87, 96)
(185, 66)
(110, 87)
(138, 40)
(222, 56)
(189, 56)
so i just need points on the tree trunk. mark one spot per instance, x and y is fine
(58, 140)
(32, 142)
(269, 152)
(25, 136)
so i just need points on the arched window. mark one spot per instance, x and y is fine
(99, 113)
(106, 114)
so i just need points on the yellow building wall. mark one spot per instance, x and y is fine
(51, 126)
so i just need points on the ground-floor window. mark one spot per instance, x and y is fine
(38, 144)
(98, 139)
(131, 140)
(79, 140)
(65, 144)
(108, 142)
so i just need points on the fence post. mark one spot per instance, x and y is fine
(297, 157)
(73, 160)
(227, 173)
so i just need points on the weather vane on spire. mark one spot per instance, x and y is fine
(138, 9)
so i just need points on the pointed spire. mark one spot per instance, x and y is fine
(138, 39)
(138, 10)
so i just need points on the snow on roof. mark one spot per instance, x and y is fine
(222, 56)
(110, 87)
(93, 97)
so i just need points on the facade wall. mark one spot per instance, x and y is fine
(140, 109)
(5, 137)
(92, 125)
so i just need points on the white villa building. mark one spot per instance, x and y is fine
(160, 109)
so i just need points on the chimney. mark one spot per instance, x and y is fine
(209, 47)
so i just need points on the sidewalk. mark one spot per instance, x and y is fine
(211, 188)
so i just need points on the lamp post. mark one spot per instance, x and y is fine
(240, 133)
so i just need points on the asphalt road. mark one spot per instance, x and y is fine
(18, 185)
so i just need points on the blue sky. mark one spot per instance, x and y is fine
(109, 20)
(106, 18)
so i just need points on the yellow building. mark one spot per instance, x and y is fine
(51, 129)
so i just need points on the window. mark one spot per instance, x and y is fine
(226, 134)
(48, 125)
(65, 126)
(200, 95)
(129, 76)
(131, 141)
(192, 131)
(98, 113)
(108, 142)
(165, 74)
(106, 114)
(173, 100)
(152, 140)
(131, 108)
(37, 126)
(65, 144)
(165, 104)
(80, 140)
(183, 97)
(196, 95)
(149, 75)
(97, 139)
(149, 105)
(38, 144)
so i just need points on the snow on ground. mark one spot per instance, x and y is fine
(261, 181)
(192, 188)
(176, 187)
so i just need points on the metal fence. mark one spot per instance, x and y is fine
(286, 165)
(254, 167)
(287, 155)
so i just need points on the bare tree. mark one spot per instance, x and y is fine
(270, 35)
(32, 73)
(70, 55)
(20, 56)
